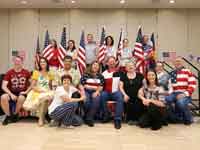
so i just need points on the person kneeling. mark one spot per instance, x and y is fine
(62, 109)
(153, 99)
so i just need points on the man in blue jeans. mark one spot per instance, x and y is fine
(111, 92)
(183, 85)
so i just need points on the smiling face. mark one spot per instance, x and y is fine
(71, 44)
(151, 77)
(125, 43)
(159, 67)
(89, 38)
(66, 82)
(18, 63)
(95, 67)
(111, 62)
(109, 41)
(43, 64)
(67, 64)
(178, 63)
(130, 67)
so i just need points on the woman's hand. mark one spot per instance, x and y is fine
(146, 102)
(126, 98)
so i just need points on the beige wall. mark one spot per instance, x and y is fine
(176, 29)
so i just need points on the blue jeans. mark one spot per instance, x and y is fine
(181, 109)
(91, 105)
(116, 96)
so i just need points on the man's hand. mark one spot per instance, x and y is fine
(95, 94)
(180, 96)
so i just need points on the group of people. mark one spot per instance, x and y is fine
(149, 100)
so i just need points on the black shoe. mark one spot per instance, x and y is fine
(90, 123)
(105, 120)
(156, 126)
(6, 120)
(117, 124)
(187, 123)
(14, 118)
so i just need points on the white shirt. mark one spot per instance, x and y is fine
(57, 101)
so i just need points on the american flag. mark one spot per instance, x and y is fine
(47, 39)
(48, 48)
(120, 48)
(48, 52)
(138, 53)
(37, 55)
(62, 47)
(81, 54)
(102, 49)
(169, 56)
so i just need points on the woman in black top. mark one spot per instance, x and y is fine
(130, 83)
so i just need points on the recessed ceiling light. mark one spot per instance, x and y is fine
(73, 1)
(122, 1)
(172, 1)
(23, 2)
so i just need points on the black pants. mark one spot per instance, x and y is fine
(154, 117)
(134, 110)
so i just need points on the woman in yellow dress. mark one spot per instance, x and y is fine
(41, 93)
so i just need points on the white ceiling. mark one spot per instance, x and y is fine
(99, 4)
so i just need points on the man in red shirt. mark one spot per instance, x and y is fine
(15, 85)
(183, 85)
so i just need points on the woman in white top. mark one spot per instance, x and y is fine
(110, 50)
(71, 51)
(65, 102)
(126, 54)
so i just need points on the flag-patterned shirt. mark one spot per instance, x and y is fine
(92, 81)
(183, 81)
(112, 79)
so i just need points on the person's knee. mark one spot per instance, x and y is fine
(5, 97)
(21, 99)
(181, 104)
(118, 97)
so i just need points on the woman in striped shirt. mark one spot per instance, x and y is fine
(93, 83)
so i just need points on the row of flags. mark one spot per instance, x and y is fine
(138, 52)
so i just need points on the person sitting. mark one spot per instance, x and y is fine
(93, 83)
(111, 92)
(163, 77)
(183, 85)
(68, 70)
(16, 85)
(41, 93)
(130, 83)
(153, 99)
(62, 109)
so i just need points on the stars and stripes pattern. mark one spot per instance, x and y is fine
(138, 53)
(62, 47)
(48, 48)
(183, 80)
(37, 55)
(81, 54)
(120, 48)
(102, 49)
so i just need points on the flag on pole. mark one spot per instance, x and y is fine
(102, 49)
(48, 48)
(81, 55)
(138, 53)
(120, 48)
(62, 47)
(37, 55)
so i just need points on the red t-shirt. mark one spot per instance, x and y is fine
(54, 62)
(17, 81)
